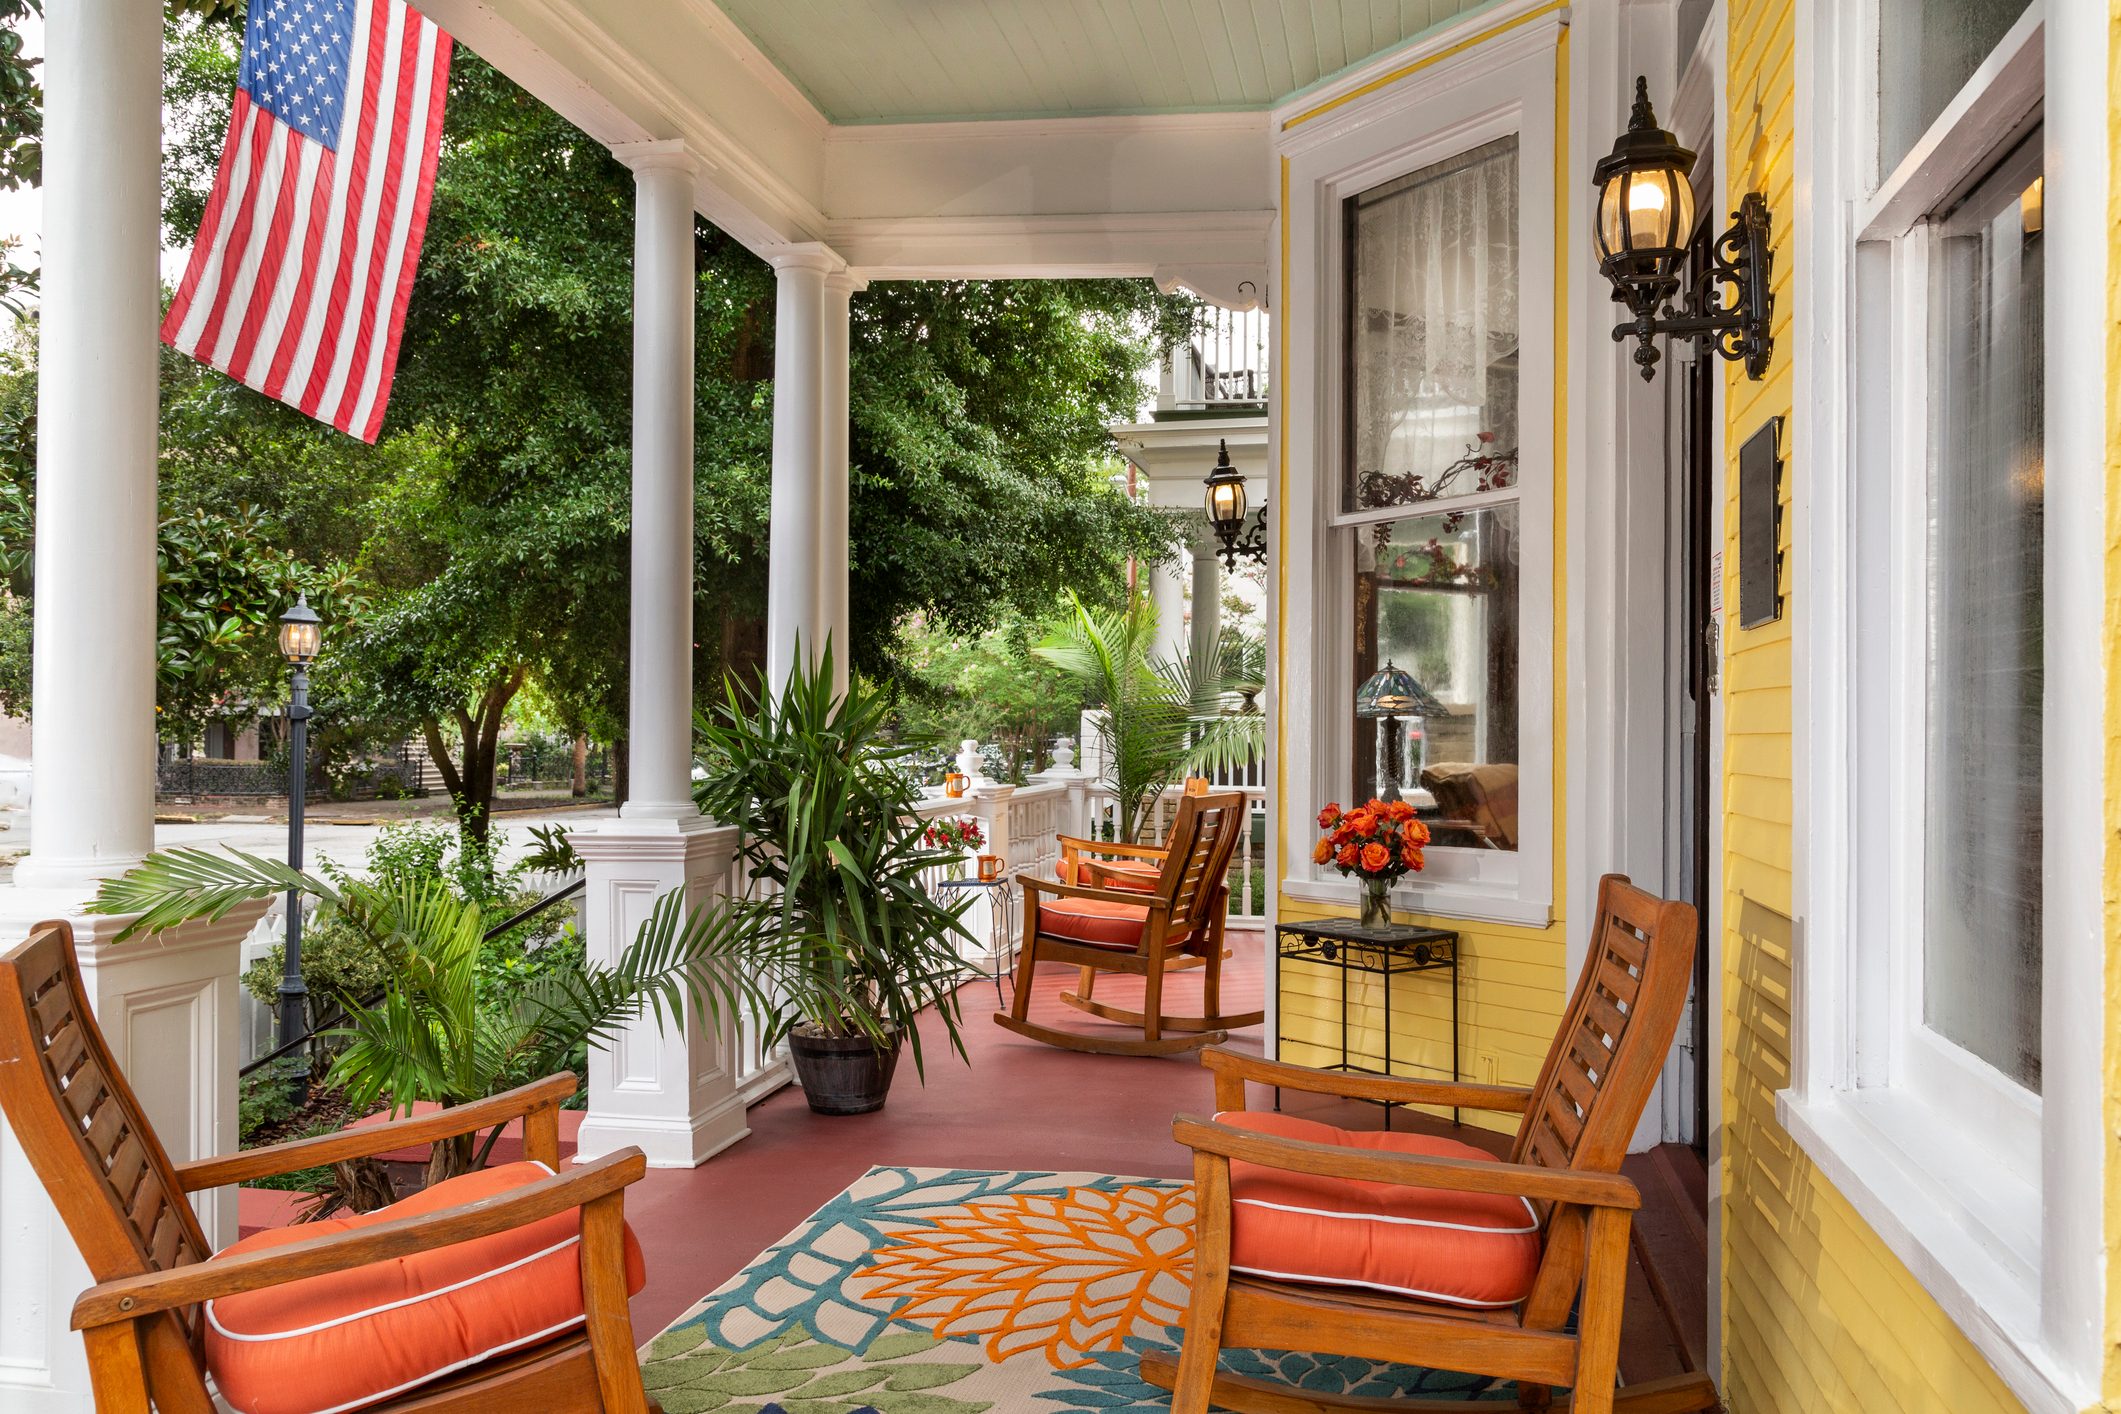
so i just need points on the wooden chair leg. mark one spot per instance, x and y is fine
(1026, 966)
(1605, 1280)
(1153, 994)
(1211, 1285)
(609, 1324)
(115, 1371)
(1086, 985)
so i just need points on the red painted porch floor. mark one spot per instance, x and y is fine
(1022, 1105)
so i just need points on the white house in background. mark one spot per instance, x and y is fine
(1211, 394)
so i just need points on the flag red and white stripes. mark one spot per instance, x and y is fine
(299, 276)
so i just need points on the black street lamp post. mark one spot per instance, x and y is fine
(299, 632)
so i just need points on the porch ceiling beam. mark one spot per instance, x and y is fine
(1186, 198)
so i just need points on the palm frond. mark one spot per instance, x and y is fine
(180, 885)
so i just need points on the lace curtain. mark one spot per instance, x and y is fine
(1432, 310)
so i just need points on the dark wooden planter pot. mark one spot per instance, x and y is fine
(843, 1075)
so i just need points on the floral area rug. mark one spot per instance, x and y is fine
(956, 1291)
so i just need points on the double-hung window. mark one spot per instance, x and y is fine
(1930, 726)
(1419, 513)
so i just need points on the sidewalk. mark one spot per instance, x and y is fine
(339, 831)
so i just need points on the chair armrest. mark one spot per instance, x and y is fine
(1124, 851)
(1235, 1065)
(1060, 890)
(1596, 1190)
(129, 1298)
(295, 1154)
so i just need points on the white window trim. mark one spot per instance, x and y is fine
(1993, 1197)
(1501, 86)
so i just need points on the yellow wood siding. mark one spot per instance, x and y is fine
(1513, 980)
(2111, 1384)
(1817, 1314)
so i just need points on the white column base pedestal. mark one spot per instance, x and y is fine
(168, 1006)
(670, 1091)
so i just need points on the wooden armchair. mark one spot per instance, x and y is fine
(1107, 864)
(1176, 922)
(1423, 1251)
(150, 1324)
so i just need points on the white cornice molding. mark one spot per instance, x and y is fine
(1459, 54)
(1106, 125)
(1220, 256)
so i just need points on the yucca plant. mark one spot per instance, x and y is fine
(437, 1033)
(844, 932)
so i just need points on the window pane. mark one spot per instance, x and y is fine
(1927, 50)
(1436, 596)
(1432, 332)
(1981, 964)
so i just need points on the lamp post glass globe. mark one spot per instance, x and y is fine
(301, 632)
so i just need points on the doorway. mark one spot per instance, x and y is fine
(1693, 554)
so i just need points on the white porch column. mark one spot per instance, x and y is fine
(1207, 598)
(672, 1091)
(1167, 592)
(168, 1005)
(659, 736)
(832, 547)
(802, 373)
(93, 798)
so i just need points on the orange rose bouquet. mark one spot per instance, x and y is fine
(1378, 842)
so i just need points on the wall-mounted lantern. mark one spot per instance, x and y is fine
(1644, 221)
(1225, 504)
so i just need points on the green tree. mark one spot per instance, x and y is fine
(492, 529)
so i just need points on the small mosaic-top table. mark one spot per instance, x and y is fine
(1395, 951)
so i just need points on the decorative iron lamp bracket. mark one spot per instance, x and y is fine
(1250, 544)
(1730, 307)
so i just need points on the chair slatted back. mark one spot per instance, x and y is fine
(1203, 838)
(79, 1122)
(1603, 1064)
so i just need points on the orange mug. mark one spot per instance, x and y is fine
(990, 868)
(954, 784)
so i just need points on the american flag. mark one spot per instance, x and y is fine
(299, 276)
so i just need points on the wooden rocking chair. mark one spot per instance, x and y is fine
(1174, 923)
(1422, 1251)
(123, 1201)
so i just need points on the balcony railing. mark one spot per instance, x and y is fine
(1224, 364)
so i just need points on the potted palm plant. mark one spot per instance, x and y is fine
(847, 937)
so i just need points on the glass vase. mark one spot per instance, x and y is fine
(1376, 903)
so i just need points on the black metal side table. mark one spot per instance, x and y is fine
(1396, 951)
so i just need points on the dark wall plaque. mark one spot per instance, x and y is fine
(1760, 526)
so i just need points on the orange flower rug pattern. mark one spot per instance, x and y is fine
(954, 1291)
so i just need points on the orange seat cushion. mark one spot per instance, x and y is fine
(1117, 927)
(1098, 922)
(345, 1339)
(1465, 1249)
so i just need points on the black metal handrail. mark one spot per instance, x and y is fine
(287, 1047)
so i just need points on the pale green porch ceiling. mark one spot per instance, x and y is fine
(887, 61)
